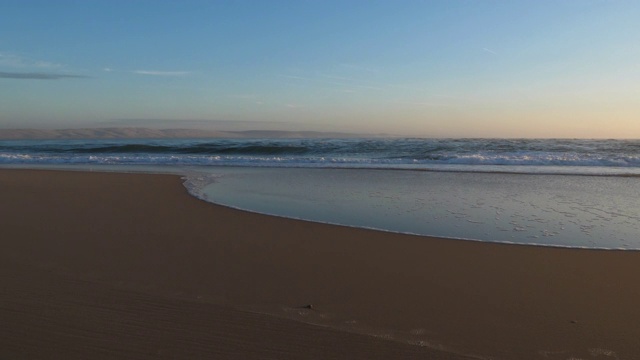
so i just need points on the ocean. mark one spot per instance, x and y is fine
(595, 157)
(569, 193)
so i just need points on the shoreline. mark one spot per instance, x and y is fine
(613, 171)
(134, 236)
(570, 247)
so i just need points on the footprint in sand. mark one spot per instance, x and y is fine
(603, 352)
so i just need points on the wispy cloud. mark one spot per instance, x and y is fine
(161, 73)
(336, 81)
(355, 82)
(18, 61)
(490, 51)
(147, 72)
(296, 77)
(38, 76)
(337, 77)
(360, 68)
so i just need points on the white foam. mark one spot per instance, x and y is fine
(195, 182)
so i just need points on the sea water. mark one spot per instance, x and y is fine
(553, 210)
(487, 155)
(575, 193)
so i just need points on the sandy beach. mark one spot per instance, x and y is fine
(130, 266)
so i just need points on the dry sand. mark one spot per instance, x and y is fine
(105, 265)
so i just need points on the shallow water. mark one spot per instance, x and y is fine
(555, 210)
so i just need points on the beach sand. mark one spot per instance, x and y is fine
(129, 266)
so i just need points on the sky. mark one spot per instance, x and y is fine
(454, 68)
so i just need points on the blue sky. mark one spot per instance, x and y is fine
(415, 68)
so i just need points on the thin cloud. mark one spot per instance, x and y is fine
(296, 77)
(17, 61)
(490, 51)
(38, 76)
(337, 77)
(360, 68)
(161, 73)
(355, 82)
(337, 83)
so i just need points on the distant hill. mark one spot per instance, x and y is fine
(149, 133)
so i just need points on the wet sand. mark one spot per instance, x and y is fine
(105, 265)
